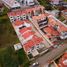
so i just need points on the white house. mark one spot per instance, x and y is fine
(11, 3)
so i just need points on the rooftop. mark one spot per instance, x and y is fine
(63, 61)
(50, 26)
(11, 3)
(27, 35)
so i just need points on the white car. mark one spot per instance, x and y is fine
(63, 35)
(35, 64)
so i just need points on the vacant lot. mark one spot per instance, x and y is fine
(7, 33)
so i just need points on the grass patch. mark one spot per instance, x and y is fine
(10, 58)
(7, 33)
(22, 56)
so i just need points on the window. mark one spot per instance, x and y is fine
(29, 52)
(21, 18)
(18, 17)
(11, 19)
(24, 17)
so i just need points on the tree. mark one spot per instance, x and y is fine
(8, 58)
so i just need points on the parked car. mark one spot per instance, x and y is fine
(36, 64)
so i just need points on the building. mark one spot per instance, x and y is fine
(37, 29)
(55, 2)
(63, 61)
(27, 2)
(11, 4)
(52, 28)
(16, 4)
(31, 40)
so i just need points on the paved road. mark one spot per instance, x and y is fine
(51, 55)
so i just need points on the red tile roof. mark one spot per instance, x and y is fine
(53, 22)
(34, 41)
(17, 23)
(25, 11)
(11, 14)
(17, 12)
(51, 31)
(28, 34)
(25, 29)
(34, 8)
(37, 40)
(29, 45)
(38, 17)
(63, 61)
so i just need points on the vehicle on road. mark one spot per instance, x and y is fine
(35, 64)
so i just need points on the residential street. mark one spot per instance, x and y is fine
(51, 55)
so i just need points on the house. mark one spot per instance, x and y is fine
(17, 46)
(26, 13)
(50, 26)
(63, 61)
(11, 4)
(55, 2)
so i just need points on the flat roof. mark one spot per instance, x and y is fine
(11, 3)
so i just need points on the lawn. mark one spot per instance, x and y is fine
(7, 33)
(11, 58)
(22, 58)
(8, 56)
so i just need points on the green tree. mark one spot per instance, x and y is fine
(8, 58)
